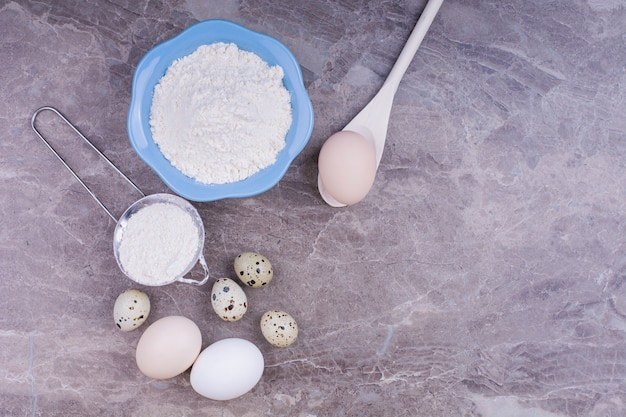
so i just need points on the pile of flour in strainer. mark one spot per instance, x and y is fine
(158, 243)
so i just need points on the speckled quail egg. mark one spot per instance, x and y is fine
(279, 328)
(131, 309)
(228, 300)
(253, 269)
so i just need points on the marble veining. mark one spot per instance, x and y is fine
(484, 275)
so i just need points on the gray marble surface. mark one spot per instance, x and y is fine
(484, 274)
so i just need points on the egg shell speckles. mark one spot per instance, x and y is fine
(131, 309)
(228, 300)
(279, 328)
(253, 269)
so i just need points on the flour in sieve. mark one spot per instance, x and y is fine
(158, 243)
(220, 114)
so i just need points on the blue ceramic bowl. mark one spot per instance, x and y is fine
(154, 65)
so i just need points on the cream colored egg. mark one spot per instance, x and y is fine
(279, 328)
(228, 300)
(253, 269)
(131, 309)
(347, 166)
(168, 347)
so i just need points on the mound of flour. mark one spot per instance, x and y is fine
(158, 243)
(220, 114)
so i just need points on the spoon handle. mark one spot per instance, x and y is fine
(413, 43)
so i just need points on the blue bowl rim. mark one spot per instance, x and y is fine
(152, 67)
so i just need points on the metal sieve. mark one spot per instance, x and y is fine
(133, 208)
(179, 203)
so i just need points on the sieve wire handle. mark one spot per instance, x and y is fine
(75, 129)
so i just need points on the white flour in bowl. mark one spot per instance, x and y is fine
(220, 114)
(158, 243)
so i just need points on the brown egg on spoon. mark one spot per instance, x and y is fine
(347, 167)
(349, 159)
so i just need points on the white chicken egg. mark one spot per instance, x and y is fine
(131, 309)
(227, 369)
(253, 269)
(279, 328)
(228, 300)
